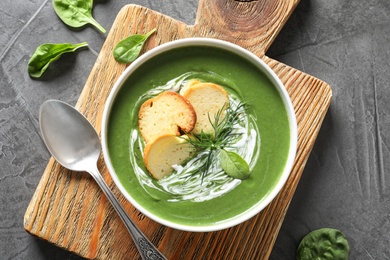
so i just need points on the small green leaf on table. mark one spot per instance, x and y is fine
(325, 244)
(128, 49)
(76, 13)
(46, 54)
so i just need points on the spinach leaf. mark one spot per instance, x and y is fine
(233, 164)
(46, 54)
(76, 13)
(324, 243)
(128, 49)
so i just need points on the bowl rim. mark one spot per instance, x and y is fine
(262, 66)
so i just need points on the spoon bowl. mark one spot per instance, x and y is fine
(70, 137)
(74, 143)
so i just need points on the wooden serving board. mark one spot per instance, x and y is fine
(70, 211)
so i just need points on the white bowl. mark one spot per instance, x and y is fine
(263, 68)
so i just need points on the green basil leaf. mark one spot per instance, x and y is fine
(128, 49)
(233, 164)
(324, 243)
(76, 13)
(46, 54)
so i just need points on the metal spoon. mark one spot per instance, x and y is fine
(74, 143)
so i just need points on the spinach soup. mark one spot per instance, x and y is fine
(189, 196)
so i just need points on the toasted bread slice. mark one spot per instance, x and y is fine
(165, 114)
(164, 152)
(207, 99)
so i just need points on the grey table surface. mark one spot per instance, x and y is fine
(346, 183)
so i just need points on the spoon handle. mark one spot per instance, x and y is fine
(145, 247)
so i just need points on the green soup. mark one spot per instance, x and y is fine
(250, 84)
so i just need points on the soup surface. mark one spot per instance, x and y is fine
(266, 118)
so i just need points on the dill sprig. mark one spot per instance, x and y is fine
(223, 134)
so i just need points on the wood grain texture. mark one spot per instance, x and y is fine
(69, 210)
